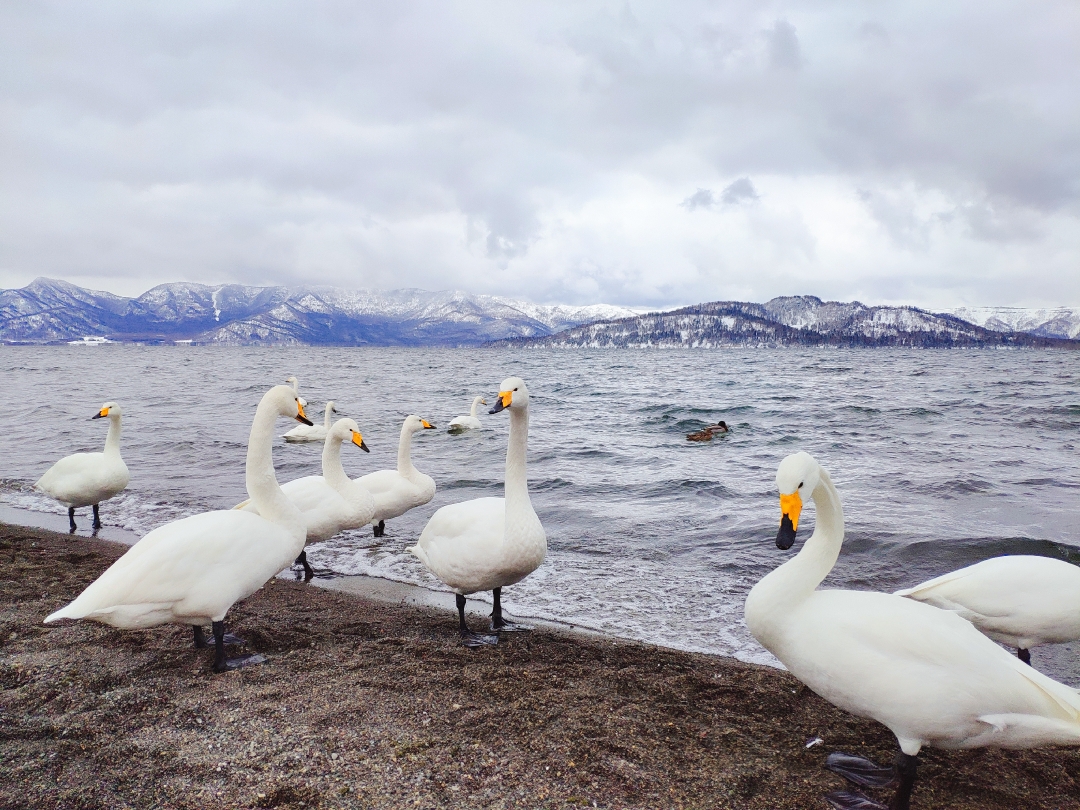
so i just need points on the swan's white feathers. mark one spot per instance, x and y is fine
(460, 542)
(83, 479)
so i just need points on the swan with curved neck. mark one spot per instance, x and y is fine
(313, 433)
(87, 479)
(926, 674)
(397, 491)
(488, 543)
(191, 571)
(459, 424)
(331, 502)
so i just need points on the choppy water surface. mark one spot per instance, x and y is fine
(942, 458)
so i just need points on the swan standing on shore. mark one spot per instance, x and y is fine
(489, 543)
(331, 502)
(459, 424)
(1022, 601)
(927, 674)
(87, 479)
(191, 571)
(314, 433)
(398, 491)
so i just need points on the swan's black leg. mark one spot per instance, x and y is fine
(97, 517)
(223, 664)
(1024, 655)
(906, 767)
(71, 519)
(201, 642)
(498, 623)
(468, 637)
(302, 560)
(380, 528)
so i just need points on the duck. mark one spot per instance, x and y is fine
(487, 544)
(707, 434)
(459, 424)
(87, 479)
(329, 503)
(1022, 601)
(315, 433)
(398, 491)
(926, 674)
(191, 571)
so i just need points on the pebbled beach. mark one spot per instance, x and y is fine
(365, 704)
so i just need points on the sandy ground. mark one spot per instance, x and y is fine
(364, 704)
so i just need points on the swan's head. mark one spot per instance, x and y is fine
(346, 430)
(331, 407)
(108, 409)
(295, 383)
(287, 403)
(479, 401)
(512, 394)
(796, 478)
(414, 424)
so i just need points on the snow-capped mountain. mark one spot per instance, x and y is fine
(803, 320)
(48, 311)
(1061, 322)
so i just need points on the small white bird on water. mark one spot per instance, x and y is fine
(489, 543)
(87, 479)
(926, 674)
(459, 424)
(314, 433)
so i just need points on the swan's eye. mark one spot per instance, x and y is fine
(800, 484)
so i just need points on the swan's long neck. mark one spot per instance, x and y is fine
(332, 469)
(517, 479)
(326, 415)
(475, 402)
(262, 485)
(404, 461)
(112, 441)
(796, 579)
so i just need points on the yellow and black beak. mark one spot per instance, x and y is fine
(504, 400)
(427, 425)
(100, 414)
(358, 440)
(300, 415)
(790, 509)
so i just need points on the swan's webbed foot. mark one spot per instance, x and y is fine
(201, 643)
(309, 572)
(380, 528)
(71, 520)
(510, 627)
(97, 519)
(223, 664)
(852, 800)
(473, 640)
(860, 771)
(1024, 655)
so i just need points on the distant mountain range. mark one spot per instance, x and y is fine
(795, 320)
(48, 311)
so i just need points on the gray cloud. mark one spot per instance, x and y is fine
(897, 153)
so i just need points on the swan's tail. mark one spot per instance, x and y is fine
(420, 554)
(69, 611)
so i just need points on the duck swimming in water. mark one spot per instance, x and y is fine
(707, 434)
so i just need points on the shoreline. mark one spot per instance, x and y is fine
(368, 704)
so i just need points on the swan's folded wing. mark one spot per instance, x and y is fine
(462, 540)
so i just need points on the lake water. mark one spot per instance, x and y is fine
(942, 458)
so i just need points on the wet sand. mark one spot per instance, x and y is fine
(365, 704)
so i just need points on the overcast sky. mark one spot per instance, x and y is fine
(645, 154)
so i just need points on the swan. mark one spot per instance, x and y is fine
(488, 543)
(87, 479)
(1022, 601)
(707, 434)
(459, 424)
(314, 433)
(927, 674)
(398, 491)
(191, 571)
(329, 503)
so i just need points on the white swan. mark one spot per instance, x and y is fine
(927, 674)
(488, 543)
(191, 571)
(459, 424)
(313, 433)
(398, 491)
(1022, 601)
(329, 503)
(87, 479)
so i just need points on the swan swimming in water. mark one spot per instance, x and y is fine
(191, 571)
(314, 433)
(398, 491)
(926, 674)
(87, 479)
(489, 543)
(1020, 600)
(329, 503)
(459, 424)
